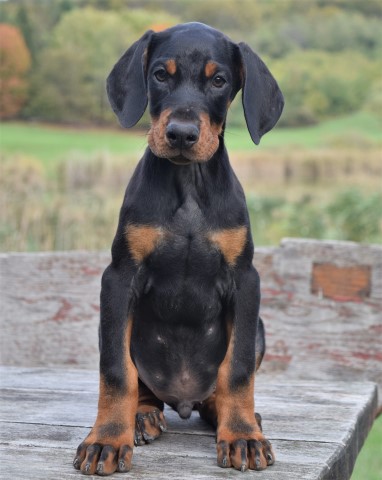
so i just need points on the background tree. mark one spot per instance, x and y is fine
(15, 61)
(69, 83)
(325, 53)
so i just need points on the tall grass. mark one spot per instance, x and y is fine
(75, 203)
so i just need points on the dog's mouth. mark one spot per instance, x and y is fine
(178, 156)
(179, 160)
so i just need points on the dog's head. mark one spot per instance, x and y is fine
(190, 74)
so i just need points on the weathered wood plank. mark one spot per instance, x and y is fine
(79, 409)
(155, 462)
(65, 403)
(50, 308)
(317, 429)
(316, 338)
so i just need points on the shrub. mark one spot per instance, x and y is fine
(15, 61)
(317, 85)
(355, 216)
(350, 215)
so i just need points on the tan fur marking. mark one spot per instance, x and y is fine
(210, 69)
(208, 141)
(142, 240)
(157, 134)
(240, 401)
(116, 408)
(171, 66)
(230, 242)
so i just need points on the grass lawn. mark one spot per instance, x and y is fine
(51, 143)
(369, 462)
(361, 127)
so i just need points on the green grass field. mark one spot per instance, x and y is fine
(369, 462)
(357, 129)
(50, 143)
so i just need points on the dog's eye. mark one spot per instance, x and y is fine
(218, 81)
(160, 75)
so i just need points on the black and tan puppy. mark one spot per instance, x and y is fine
(180, 300)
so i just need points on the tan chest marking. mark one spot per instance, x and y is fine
(142, 240)
(230, 241)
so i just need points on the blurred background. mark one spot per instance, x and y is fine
(65, 162)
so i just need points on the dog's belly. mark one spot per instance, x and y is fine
(178, 361)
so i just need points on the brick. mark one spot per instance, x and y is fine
(341, 283)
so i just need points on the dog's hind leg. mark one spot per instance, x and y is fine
(149, 420)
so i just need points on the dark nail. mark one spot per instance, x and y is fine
(100, 468)
(148, 438)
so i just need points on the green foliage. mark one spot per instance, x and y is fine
(356, 216)
(69, 84)
(373, 101)
(350, 215)
(73, 69)
(318, 84)
(329, 29)
(325, 54)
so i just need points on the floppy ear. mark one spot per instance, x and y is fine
(263, 101)
(126, 84)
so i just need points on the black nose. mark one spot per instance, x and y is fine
(182, 134)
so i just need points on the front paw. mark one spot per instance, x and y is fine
(242, 453)
(104, 456)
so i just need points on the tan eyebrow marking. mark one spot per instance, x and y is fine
(210, 69)
(171, 66)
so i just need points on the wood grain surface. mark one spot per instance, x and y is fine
(316, 428)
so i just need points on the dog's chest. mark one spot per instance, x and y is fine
(187, 242)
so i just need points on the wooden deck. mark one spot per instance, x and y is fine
(317, 429)
(322, 307)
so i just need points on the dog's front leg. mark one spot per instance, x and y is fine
(240, 442)
(109, 445)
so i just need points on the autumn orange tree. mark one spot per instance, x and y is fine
(15, 61)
